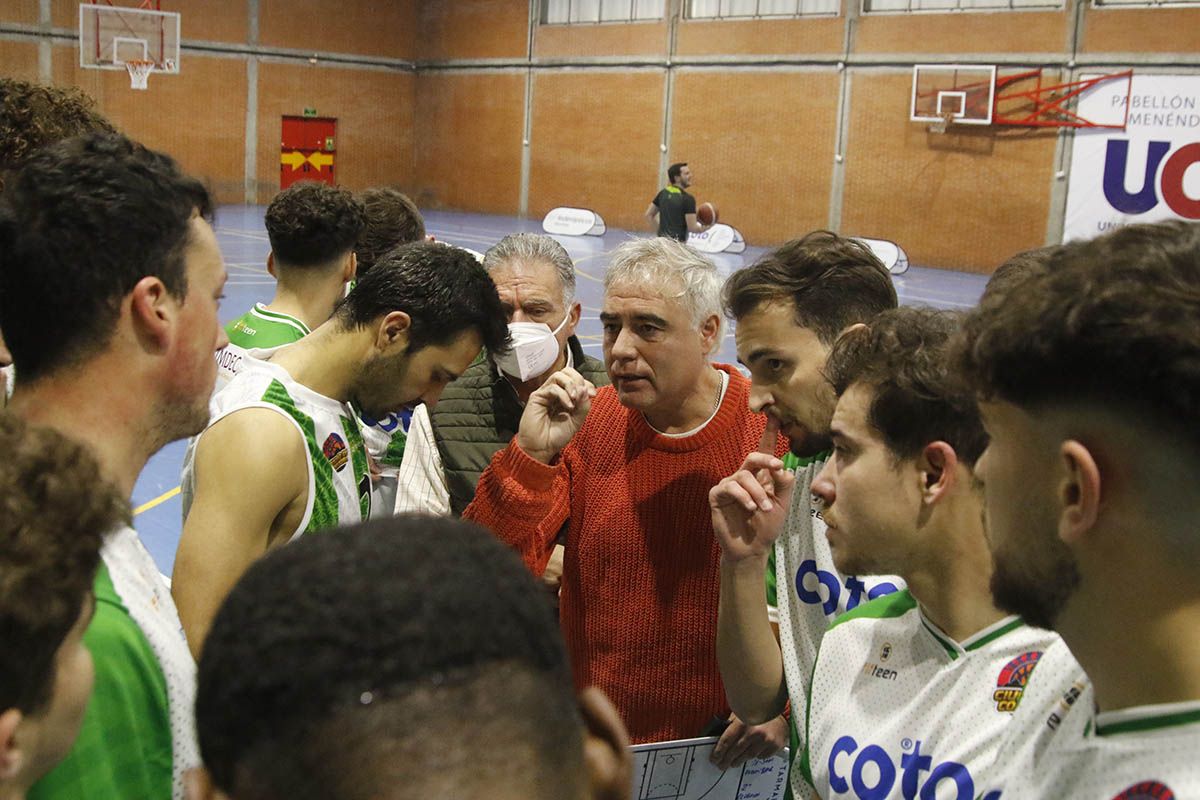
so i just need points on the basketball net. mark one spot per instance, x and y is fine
(139, 73)
(942, 124)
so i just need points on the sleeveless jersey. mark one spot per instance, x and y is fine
(809, 593)
(339, 485)
(255, 334)
(900, 710)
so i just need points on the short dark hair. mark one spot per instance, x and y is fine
(1016, 269)
(392, 219)
(1113, 322)
(444, 290)
(81, 222)
(348, 663)
(33, 116)
(831, 281)
(54, 512)
(310, 224)
(904, 356)
(674, 170)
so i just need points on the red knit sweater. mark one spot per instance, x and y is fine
(640, 572)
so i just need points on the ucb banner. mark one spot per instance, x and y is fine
(1146, 173)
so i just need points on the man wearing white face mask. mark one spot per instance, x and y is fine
(449, 447)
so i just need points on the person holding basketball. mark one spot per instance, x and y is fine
(673, 210)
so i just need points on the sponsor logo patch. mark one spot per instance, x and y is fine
(1147, 790)
(1010, 685)
(335, 450)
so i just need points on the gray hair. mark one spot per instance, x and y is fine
(534, 247)
(664, 264)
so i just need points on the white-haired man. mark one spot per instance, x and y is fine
(449, 446)
(627, 469)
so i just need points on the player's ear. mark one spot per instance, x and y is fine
(606, 754)
(938, 463)
(271, 265)
(393, 330)
(1079, 493)
(351, 268)
(11, 756)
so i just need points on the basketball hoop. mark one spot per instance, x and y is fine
(139, 72)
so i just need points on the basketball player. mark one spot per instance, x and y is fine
(672, 212)
(312, 228)
(284, 454)
(109, 240)
(341, 668)
(1088, 377)
(55, 513)
(790, 307)
(936, 665)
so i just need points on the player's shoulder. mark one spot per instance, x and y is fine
(886, 607)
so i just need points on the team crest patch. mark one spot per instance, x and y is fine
(335, 450)
(1013, 677)
(1147, 790)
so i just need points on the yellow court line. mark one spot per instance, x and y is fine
(162, 498)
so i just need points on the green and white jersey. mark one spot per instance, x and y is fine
(1060, 746)
(255, 334)
(900, 710)
(339, 484)
(139, 734)
(809, 593)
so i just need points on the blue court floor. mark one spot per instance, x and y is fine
(243, 241)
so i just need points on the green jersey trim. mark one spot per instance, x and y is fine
(263, 312)
(896, 604)
(358, 457)
(977, 640)
(1149, 723)
(325, 504)
(794, 462)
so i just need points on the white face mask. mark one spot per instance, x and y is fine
(534, 349)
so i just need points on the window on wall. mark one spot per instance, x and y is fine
(903, 6)
(560, 12)
(760, 9)
(1145, 3)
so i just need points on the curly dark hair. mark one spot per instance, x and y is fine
(392, 220)
(1017, 268)
(310, 224)
(444, 290)
(346, 664)
(33, 116)
(904, 355)
(831, 281)
(81, 222)
(54, 511)
(1112, 322)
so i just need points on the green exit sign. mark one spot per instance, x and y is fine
(310, 112)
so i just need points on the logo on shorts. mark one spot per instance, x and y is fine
(1147, 790)
(335, 450)
(885, 652)
(1011, 683)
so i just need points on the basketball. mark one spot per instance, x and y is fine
(706, 213)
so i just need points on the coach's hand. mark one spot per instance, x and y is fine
(741, 742)
(554, 413)
(750, 506)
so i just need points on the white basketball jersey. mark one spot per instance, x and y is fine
(339, 483)
(809, 593)
(1059, 746)
(900, 710)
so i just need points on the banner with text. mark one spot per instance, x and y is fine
(1148, 172)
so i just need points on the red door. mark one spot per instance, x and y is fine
(307, 150)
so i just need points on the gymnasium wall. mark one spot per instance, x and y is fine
(789, 125)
